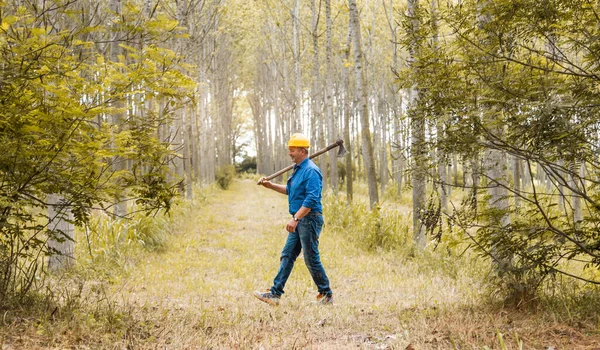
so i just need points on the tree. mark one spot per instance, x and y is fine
(362, 93)
(418, 148)
(329, 116)
(532, 79)
(58, 90)
(348, 101)
(296, 123)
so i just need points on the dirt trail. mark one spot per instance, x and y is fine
(226, 239)
(198, 294)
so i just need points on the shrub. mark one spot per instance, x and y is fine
(248, 165)
(372, 229)
(225, 175)
(115, 240)
(109, 243)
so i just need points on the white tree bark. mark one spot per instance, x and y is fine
(61, 248)
(517, 175)
(575, 182)
(120, 209)
(297, 125)
(331, 124)
(396, 99)
(363, 100)
(348, 102)
(418, 150)
(495, 167)
(317, 111)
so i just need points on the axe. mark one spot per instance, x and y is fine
(341, 153)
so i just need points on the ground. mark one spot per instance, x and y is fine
(197, 294)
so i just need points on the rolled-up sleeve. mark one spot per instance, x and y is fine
(313, 189)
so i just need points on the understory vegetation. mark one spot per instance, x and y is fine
(184, 280)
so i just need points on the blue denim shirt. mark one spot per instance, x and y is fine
(304, 187)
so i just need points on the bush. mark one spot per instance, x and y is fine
(225, 176)
(371, 229)
(56, 142)
(248, 165)
(116, 241)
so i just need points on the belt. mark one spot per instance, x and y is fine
(316, 213)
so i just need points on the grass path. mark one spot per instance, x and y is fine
(201, 288)
(198, 294)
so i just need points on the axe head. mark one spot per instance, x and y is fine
(342, 150)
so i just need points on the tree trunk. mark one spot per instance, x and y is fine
(119, 164)
(383, 125)
(418, 149)
(361, 89)
(419, 170)
(561, 189)
(440, 129)
(498, 197)
(187, 153)
(348, 102)
(317, 115)
(61, 248)
(331, 124)
(495, 169)
(517, 179)
(399, 158)
(442, 168)
(297, 125)
(575, 182)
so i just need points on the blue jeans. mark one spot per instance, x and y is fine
(306, 238)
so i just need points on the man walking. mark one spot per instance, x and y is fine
(303, 189)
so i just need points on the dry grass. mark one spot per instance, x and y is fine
(198, 295)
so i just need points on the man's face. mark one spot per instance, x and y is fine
(296, 153)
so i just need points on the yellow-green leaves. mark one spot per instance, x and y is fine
(70, 110)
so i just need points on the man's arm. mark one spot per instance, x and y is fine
(312, 189)
(275, 187)
(302, 212)
(292, 224)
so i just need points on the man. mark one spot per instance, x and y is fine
(303, 189)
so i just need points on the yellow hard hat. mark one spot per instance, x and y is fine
(299, 140)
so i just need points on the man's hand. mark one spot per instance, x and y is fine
(275, 187)
(291, 226)
(263, 181)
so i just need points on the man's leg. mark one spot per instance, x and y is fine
(309, 230)
(290, 252)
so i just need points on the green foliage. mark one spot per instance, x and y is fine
(111, 245)
(225, 176)
(70, 308)
(113, 238)
(371, 229)
(248, 165)
(63, 128)
(517, 78)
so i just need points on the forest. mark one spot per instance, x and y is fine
(472, 130)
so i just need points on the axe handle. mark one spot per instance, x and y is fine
(337, 143)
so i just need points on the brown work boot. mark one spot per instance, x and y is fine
(268, 297)
(325, 299)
